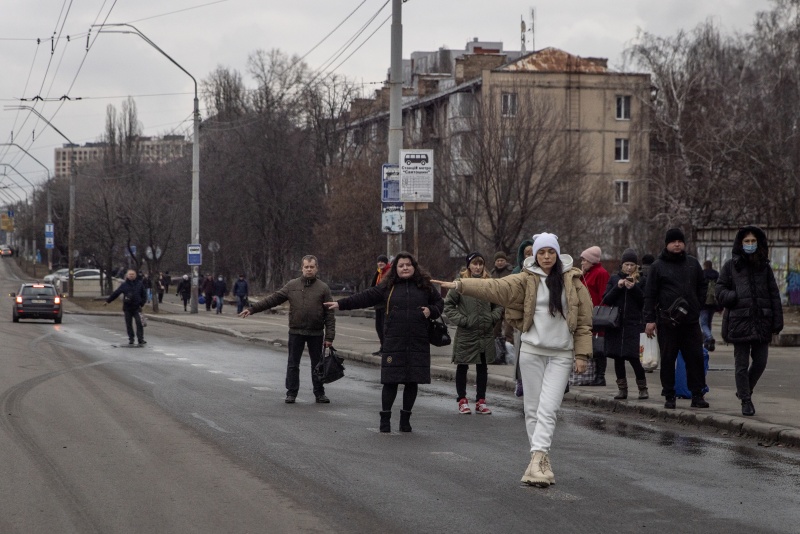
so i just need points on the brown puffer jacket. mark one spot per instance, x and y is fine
(307, 315)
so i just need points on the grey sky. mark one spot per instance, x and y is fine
(226, 32)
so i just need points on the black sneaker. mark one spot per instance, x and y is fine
(130, 342)
(322, 399)
(142, 343)
(289, 399)
(747, 408)
(670, 403)
(699, 402)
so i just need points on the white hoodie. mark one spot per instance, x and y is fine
(548, 335)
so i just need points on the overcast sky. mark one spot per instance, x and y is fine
(206, 33)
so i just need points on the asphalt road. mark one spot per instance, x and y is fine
(190, 434)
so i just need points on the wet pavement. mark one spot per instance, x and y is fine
(777, 396)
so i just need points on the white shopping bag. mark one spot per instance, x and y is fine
(649, 354)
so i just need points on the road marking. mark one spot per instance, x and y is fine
(183, 359)
(238, 379)
(262, 388)
(210, 423)
(451, 456)
(142, 379)
(215, 372)
(198, 365)
(170, 354)
(332, 413)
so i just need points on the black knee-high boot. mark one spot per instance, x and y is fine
(405, 417)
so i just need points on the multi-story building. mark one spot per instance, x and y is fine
(538, 110)
(153, 150)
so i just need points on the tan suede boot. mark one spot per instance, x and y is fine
(534, 475)
(643, 394)
(622, 384)
(547, 469)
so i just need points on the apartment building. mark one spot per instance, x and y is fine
(153, 149)
(592, 112)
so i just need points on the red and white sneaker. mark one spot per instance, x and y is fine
(481, 408)
(463, 406)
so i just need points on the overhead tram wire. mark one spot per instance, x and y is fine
(328, 35)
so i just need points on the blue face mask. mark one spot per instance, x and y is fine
(749, 249)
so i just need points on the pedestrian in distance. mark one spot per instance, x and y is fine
(524, 251)
(161, 286)
(383, 267)
(220, 290)
(596, 278)
(167, 281)
(753, 313)
(503, 332)
(409, 300)
(311, 324)
(184, 290)
(241, 290)
(673, 295)
(552, 308)
(147, 282)
(207, 290)
(474, 339)
(709, 306)
(134, 296)
(625, 290)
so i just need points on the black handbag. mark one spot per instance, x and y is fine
(437, 332)
(331, 366)
(605, 317)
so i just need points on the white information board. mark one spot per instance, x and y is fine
(416, 175)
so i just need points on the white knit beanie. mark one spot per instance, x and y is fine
(545, 240)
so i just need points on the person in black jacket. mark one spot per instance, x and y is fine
(410, 300)
(240, 290)
(753, 313)
(709, 306)
(382, 270)
(673, 295)
(625, 290)
(184, 290)
(134, 296)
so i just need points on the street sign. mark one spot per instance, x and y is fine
(49, 230)
(11, 213)
(149, 253)
(213, 246)
(416, 175)
(49, 242)
(393, 219)
(194, 255)
(390, 183)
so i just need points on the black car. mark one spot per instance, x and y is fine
(37, 301)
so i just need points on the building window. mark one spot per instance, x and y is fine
(509, 148)
(622, 192)
(509, 104)
(358, 136)
(622, 149)
(624, 108)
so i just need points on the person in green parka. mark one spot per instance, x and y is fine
(474, 340)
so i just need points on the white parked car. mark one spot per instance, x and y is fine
(51, 278)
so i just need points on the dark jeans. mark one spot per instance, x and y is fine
(160, 296)
(240, 303)
(209, 297)
(688, 339)
(130, 316)
(389, 393)
(706, 315)
(636, 364)
(380, 315)
(482, 370)
(747, 375)
(296, 344)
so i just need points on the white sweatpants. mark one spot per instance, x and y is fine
(544, 379)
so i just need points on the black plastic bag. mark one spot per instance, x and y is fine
(331, 367)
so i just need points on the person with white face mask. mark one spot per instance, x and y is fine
(753, 313)
(220, 290)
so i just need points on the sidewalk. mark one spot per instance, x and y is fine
(777, 396)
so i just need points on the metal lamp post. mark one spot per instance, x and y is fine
(49, 214)
(72, 175)
(195, 237)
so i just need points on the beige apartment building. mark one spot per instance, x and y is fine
(154, 150)
(548, 98)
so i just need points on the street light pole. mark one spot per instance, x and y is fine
(72, 178)
(49, 206)
(195, 231)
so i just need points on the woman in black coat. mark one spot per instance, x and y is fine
(753, 313)
(626, 291)
(409, 299)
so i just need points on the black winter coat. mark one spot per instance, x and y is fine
(406, 352)
(134, 295)
(624, 341)
(672, 276)
(749, 293)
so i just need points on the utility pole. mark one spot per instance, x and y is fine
(394, 242)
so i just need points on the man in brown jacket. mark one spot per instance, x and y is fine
(310, 323)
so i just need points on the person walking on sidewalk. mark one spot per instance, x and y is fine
(552, 308)
(753, 313)
(410, 300)
(625, 290)
(311, 324)
(383, 267)
(596, 278)
(184, 290)
(709, 306)
(474, 340)
(240, 290)
(207, 290)
(134, 296)
(673, 295)
(220, 290)
(503, 332)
